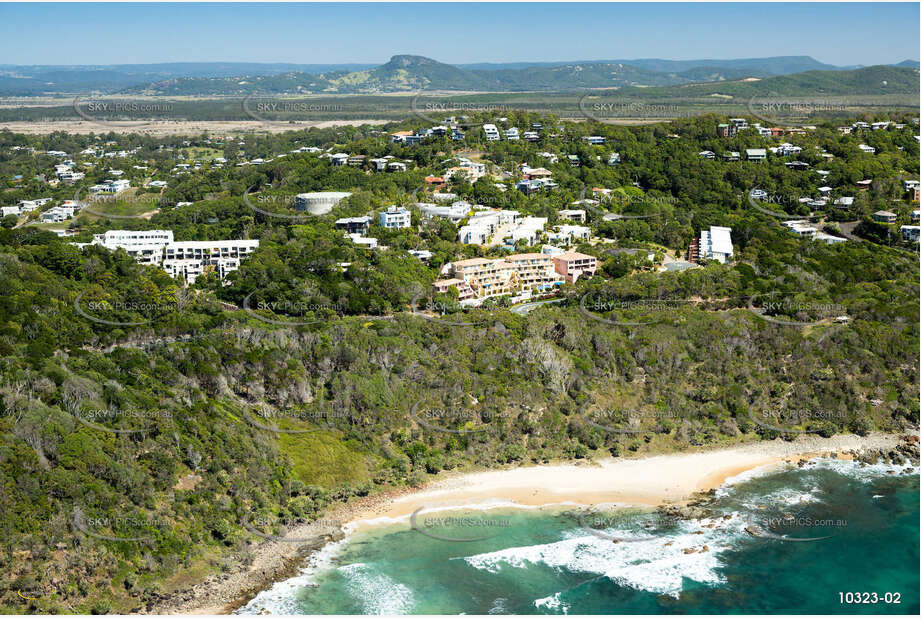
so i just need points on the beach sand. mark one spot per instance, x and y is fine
(646, 481)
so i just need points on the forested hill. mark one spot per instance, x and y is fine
(144, 425)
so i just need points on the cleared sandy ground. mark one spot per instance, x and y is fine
(164, 128)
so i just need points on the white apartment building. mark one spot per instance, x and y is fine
(455, 212)
(482, 225)
(112, 187)
(395, 217)
(58, 214)
(570, 234)
(492, 133)
(187, 259)
(716, 244)
(528, 229)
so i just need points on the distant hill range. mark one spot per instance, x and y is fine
(407, 73)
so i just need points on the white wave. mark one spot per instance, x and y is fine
(743, 477)
(281, 598)
(863, 472)
(377, 593)
(552, 603)
(656, 564)
(499, 606)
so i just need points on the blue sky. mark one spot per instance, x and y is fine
(836, 33)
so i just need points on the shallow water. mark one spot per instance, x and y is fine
(787, 541)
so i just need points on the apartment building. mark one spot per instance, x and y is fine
(395, 218)
(499, 277)
(716, 244)
(482, 225)
(455, 212)
(186, 259)
(572, 266)
(112, 187)
(535, 271)
(492, 132)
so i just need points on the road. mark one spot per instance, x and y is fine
(527, 308)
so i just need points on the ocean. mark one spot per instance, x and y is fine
(831, 537)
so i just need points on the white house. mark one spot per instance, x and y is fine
(492, 133)
(755, 154)
(395, 217)
(910, 233)
(716, 244)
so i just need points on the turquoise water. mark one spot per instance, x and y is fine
(857, 529)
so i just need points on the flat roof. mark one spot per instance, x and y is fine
(720, 239)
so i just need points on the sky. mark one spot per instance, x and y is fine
(834, 33)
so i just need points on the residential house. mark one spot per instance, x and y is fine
(884, 216)
(574, 214)
(492, 132)
(755, 154)
(353, 225)
(910, 233)
(395, 217)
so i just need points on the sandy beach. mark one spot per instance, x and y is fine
(647, 481)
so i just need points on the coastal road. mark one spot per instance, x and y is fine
(527, 308)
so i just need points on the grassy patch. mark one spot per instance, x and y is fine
(320, 458)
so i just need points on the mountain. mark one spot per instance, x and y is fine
(411, 73)
(36, 80)
(755, 67)
(406, 72)
(882, 79)
(911, 64)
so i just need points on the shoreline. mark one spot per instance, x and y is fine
(645, 481)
